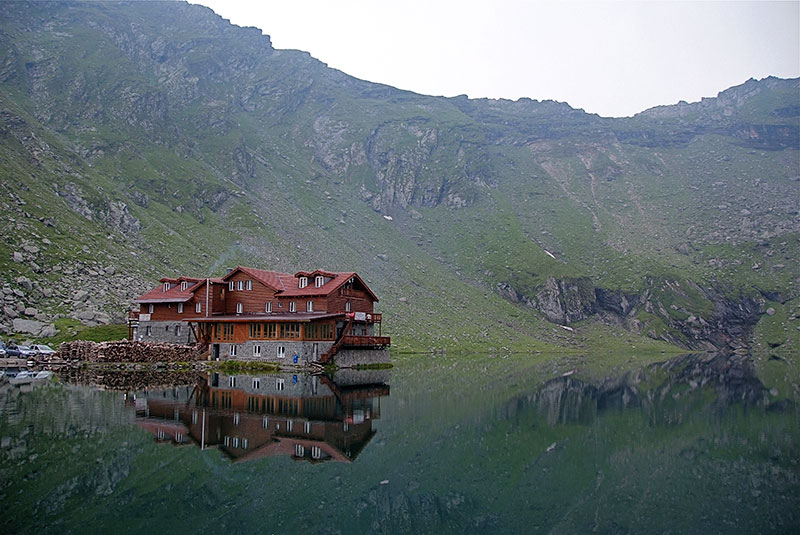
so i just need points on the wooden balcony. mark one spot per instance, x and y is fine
(377, 342)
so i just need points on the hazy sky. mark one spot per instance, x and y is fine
(610, 58)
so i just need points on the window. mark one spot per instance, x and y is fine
(279, 384)
(239, 308)
(309, 306)
(303, 282)
(255, 332)
(316, 452)
(177, 330)
(290, 330)
(148, 331)
(268, 307)
(233, 350)
(292, 306)
(265, 422)
(227, 441)
(231, 381)
(319, 281)
(180, 308)
(236, 418)
(231, 286)
(289, 425)
(240, 285)
(299, 450)
(257, 382)
(223, 331)
(281, 354)
(150, 309)
(194, 417)
(244, 443)
(198, 308)
(256, 351)
(166, 328)
(307, 428)
(347, 306)
(166, 286)
(184, 286)
(270, 330)
(235, 442)
(248, 285)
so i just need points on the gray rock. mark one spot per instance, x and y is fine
(48, 331)
(80, 296)
(770, 311)
(25, 283)
(30, 311)
(32, 327)
(17, 257)
(30, 249)
(10, 312)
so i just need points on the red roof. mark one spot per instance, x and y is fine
(174, 294)
(287, 285)
(269, 278)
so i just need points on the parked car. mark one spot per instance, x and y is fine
(20, 351)
(42, 349)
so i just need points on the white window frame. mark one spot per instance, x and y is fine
(248, 285)
(231, 381)
(319, 281)
(292, 306)
(148, 331)
(279, 384)
(299, 450)
(256, 383)
(226, 441)
(150, 308)
(281, 354)
(198, 307)
(240, 286)
(268, 307)
(166, 287)
(303, 282)
(180, 308)
(265, 422)
(184, 286)
(316, 452)
(307, 428)
(309, 306)
(347, 306)
(239, 308)
(290, 425)
(178, 330)
(256, 350)
(235, 442)
(233, 350)
(231, 286)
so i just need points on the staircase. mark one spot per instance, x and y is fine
(326, 357)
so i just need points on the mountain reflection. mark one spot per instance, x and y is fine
(312, 418)
(666, 392)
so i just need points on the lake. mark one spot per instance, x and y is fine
(444, 443)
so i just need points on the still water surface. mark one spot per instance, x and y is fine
(437, 444)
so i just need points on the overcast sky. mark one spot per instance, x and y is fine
(610, 58)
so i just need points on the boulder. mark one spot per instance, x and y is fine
(30, 311)
(17, 257)
(32, 327)
(80, 296)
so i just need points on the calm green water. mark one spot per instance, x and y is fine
(437, 444)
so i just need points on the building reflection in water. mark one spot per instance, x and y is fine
(312, 418)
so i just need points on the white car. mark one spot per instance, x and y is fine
(42, 349)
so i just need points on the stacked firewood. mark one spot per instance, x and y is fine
(127, 351)
(132, 380)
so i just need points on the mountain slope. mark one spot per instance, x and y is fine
(144, 139)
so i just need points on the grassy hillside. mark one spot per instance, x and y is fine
(147, 139)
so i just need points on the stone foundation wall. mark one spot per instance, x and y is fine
(347, 358)
(164, 331)
(269, 351)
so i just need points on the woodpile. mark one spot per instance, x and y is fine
(127, 351)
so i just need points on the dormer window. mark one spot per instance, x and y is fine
(248, 285)
(292, 306)
(166, 286)
(240, 285)
(231, 286)
(184, 286)
(303, 282)
(319, 280)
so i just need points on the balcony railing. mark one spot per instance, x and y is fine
(352, 340)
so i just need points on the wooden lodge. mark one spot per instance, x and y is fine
(253, 314)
